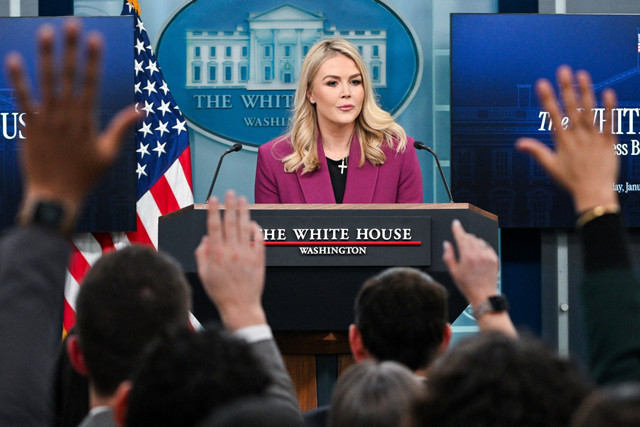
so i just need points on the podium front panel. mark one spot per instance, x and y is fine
(319, 293)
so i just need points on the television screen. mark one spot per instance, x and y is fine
(112, 205)
(496, 60)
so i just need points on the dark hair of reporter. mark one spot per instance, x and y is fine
(401, 314)
(495, 380)
(186, 375)
(612, 406)
(128, 297)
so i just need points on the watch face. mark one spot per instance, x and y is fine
(499, 303)
(49, 214)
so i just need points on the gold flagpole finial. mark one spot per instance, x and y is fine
(135, 5)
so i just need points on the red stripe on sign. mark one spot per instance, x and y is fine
(374, 243)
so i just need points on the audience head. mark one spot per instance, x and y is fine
(187, 375)
(495, 380)
(126, 299)
(400, 315)
(612, 406)
(375, 394)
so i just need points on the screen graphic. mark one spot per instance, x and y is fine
(112, 205)
(495, 63)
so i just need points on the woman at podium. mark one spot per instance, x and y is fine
(341, 146)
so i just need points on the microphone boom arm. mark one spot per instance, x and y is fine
(421, 146)
(234, 147)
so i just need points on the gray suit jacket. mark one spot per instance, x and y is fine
(282, 388)
(33, 262)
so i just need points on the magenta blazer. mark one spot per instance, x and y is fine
(398, 180)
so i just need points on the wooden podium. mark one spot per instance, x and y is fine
(309, 297)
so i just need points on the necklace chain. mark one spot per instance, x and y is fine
(340, 155)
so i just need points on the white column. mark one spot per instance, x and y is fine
(563, 293)
(14, 7)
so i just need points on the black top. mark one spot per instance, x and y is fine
(605, 244)
(338, 179)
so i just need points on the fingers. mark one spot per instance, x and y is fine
(45, 39)
(14, 65)
(610, 102)
(93, 70)
(214, 224)
(449, 257)
(245, 230)
(236, 228)
(469, 244)
(542, 154)
(230, 229)
(586, 93)
(257, 239)
(112, 137)
(202, 253)
(568, 93)
(549, 102)
(72, 35)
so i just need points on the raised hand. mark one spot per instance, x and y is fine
(231, 263)
(584, 161)
(64, 154)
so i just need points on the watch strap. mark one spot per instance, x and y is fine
(47, 213)
(493, 304)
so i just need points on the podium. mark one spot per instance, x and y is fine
(319, 296)
(309, 297)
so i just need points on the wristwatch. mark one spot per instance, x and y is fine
(47, 213)
(493, 304)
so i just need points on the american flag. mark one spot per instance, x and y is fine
(163, 166)
(638, 42)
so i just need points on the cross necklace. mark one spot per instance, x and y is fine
(344, 164)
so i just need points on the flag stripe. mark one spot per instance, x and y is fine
(163, 196)
(149, 221)
(177, 174)
(78, 265)
(140, 236)
(185, 162)
(71, 288)
(69, 317)
(105, 241)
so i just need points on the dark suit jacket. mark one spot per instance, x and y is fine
(33, 262)
(611, 298)
(398, 180)
(318, 417)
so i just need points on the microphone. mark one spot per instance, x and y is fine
(234, 147)
(422, 146)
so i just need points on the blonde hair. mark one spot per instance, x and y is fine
(374, 126)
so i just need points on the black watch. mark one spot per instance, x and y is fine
(49, 214)
(494, 304)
